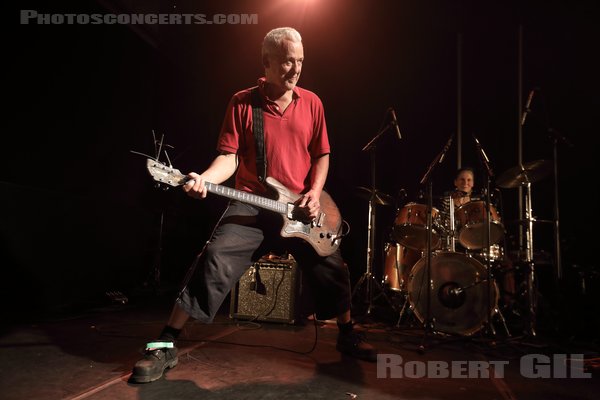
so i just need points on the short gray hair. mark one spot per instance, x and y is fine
(275, 37)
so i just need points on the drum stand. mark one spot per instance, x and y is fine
(403, 290)
(368, 279)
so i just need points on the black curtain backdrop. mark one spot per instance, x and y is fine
(80, 215)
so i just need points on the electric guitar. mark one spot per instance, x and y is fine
(324, 233)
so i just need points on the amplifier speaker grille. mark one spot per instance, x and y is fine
(267, 292)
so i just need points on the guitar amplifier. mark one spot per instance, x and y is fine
(268, 291)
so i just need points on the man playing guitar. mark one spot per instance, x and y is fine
(296, 149)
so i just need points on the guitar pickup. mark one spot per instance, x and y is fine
(319, 220)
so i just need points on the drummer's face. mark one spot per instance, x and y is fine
(464, 181)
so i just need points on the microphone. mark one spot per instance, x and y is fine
(484, 157)
(395, 122)
(478, 145)
(446, 147)
(528, 105)
(402, 194)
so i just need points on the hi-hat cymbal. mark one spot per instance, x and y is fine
(380, 197)
(531, 171)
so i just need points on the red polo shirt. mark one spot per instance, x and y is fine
(292, 138)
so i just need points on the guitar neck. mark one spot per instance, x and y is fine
(245, 197)
(173, 177)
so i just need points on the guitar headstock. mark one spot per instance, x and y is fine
(164, 174)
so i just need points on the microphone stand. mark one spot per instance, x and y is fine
(368, 279)
(159, 149)
(556, 136)
(491, 308)
(426, 180)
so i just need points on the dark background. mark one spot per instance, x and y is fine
(80, 215)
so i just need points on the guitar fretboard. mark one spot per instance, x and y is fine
(259, 201)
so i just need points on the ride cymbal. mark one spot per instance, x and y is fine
(532, 171)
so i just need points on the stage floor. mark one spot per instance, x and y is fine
(90, 355)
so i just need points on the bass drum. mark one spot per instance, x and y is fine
(459, 293)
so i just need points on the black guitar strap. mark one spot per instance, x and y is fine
(259, 135)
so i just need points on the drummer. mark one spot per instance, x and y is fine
(463, 183)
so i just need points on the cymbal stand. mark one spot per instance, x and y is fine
(556, 137)
(368, 279)
(531, 290)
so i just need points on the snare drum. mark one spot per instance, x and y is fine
(410, 226)
(471, 227)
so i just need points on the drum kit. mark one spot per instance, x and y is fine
(467, 250)
(458, 296)
(449, 291)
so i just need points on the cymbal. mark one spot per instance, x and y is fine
(532, 171)
(380, 197)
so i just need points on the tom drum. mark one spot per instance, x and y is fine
(471, 226)
(399, 261)
(410, 226)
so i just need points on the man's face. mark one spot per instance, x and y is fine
(464, 181)
(283, 69)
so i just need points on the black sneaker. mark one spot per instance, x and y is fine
(154, 363)
(354, 345)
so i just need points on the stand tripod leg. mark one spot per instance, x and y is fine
(490, 328)
(402, 311)
(531, 300)
(502, 320)
(382, 292)
(365, 281)
(368, 280)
